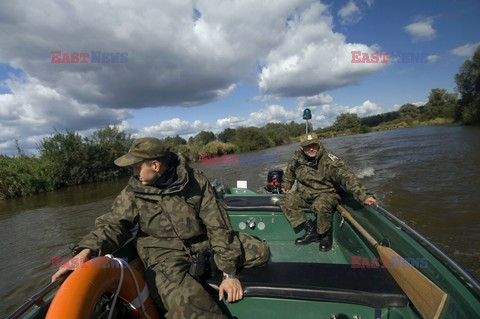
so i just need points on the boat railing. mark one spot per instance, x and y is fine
(458, 270)
(37, 299)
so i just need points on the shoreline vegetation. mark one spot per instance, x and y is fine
(65, 159)
(69, 159)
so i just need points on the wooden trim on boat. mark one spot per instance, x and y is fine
(471, 283)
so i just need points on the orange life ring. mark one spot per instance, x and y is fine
(77, 296)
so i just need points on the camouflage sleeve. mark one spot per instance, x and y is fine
(219, 231)
(289, 176)
(341, 174)
(112, 230)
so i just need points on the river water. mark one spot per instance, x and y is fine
(427, 176)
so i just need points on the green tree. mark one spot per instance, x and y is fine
(409, 112)
(227, 135)
(347, 121)
(440, 104)
(251, 139)
(297, 129)
(64, 159)
(104, 146)
(23, 175)
(375, 120)
(172, 142)
(113, 137)
(202, 138)
(112, 141)
(278, 133)
(468, 85)
(69, 158)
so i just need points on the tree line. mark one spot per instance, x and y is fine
(441, 107)
(66, 159)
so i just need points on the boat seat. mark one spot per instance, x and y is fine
(372, 287)
(250, 203)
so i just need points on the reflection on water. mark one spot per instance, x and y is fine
(33, 229)
(428, 176)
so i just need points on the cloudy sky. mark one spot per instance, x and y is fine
(159, 68)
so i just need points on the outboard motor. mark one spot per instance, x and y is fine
(274, 181)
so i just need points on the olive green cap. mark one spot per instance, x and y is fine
(142, 149)
(308, 139)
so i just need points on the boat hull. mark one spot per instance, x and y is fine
(351, 248)
(347, 281)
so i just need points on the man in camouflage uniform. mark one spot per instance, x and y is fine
(319, 175)
(178, 215)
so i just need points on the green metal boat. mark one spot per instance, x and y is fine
(349, 281)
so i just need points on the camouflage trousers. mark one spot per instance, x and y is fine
(180, 295)
(322, 205)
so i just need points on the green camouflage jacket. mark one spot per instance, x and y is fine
(187, 209)
(324, 174)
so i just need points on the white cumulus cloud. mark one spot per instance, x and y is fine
(369, 2)
(350, 13)
(465, 50)
(433, 58)
(421, 30)
(270, 114)
(178, 53)
(173, 127)
(230, 122)
(366, 108)
(312, 58)
(329, 112)
(33, 110)
(308, 101)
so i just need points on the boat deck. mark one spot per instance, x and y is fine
(262, 217)
(324, 281)
(283, 251)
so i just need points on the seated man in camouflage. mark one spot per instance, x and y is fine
(178, 215)
(319, 175)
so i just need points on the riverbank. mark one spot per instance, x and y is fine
(70, 160)
(196, 154)
(391, 125)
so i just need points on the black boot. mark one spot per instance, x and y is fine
(310, 234)
(326, 240)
